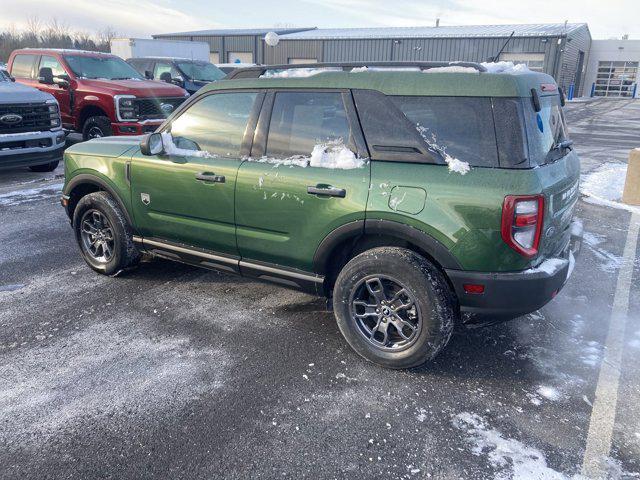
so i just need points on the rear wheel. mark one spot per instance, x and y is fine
(47, 167)
(103, 234)
(394, 307)
(96, 127)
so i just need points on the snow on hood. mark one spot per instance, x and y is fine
(454, 164)
(14, 92)
(333, 155)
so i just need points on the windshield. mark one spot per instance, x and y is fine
(103, 67)
(546, 130)
(203, 71)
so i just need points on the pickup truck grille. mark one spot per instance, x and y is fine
(151, 108)
(35, 118)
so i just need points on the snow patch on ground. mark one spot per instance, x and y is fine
(18, 197)
(604, 186)
(610, 262)
(333, 155)
(549, 393)
(170, 148)
(455, 165)
(514, 459)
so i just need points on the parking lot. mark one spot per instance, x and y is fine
(176, 372)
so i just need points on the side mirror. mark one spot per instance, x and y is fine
(152, 144)
(45, 76)
(148, 75)
(166, 77)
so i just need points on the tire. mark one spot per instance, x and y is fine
(121, 252)
(425, 303)
(47, 167)
(96, 127)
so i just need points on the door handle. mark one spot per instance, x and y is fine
(327, 191)
(210, 177)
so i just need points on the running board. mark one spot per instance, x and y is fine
(291, 278)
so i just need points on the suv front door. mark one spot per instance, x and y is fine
(187, 195)
(284, 210)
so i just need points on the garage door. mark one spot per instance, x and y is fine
(616, 79)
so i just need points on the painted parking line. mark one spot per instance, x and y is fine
(604, 406)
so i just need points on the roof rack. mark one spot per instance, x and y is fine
(258, 70)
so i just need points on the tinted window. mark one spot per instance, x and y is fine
(22, 66)
(47, 61)
(545, 129)
(510, 132)
(460, 126)
(301, 120)
(215, 124)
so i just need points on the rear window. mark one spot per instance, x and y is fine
(460, 126)
(545, 130)
(22, 66)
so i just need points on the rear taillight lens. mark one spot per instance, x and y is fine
(522, 217)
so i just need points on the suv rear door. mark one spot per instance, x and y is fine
(189, 198)
(284, 210)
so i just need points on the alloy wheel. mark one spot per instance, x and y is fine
(97, 236)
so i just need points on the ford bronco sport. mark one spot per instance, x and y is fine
(30, 130)
(408, 194)
(99, 94)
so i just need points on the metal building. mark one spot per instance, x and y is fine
(558, 49)
(232, 45)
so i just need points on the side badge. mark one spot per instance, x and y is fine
(146, 199)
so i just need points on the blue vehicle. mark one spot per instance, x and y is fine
(183, 72)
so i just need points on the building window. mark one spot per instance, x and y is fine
(534, 61)
(615, 79)
(298, 61)
(239, 57)
(214, 57)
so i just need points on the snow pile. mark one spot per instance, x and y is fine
(298, 72)
(504, 67)
(331, 154)
(170, 148)
(604, 186)
(384, 69)
(455, 165)
(516, 460)
(451, 69)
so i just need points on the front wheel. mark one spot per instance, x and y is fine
(47, 167)
(103, 234)
(394, 307)
(97, 127)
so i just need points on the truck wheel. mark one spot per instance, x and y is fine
(96, 127)
(47, 167)
(394, 307)
(103, 234)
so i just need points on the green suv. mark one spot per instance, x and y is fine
(412, 195)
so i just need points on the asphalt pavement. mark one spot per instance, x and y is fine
(170, 371)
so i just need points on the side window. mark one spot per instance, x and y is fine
(161, 68)
(53, 64)
(301, 120)
(22, 66)
(215, 124)
(461, 126)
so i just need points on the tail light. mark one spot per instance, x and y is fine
(522, 217)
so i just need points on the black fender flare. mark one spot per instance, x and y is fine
(85, 178)
(401, 231)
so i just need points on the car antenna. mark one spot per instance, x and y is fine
(494, 59)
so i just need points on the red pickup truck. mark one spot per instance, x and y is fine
(99, 94)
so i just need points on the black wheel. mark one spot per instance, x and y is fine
(394, 307)
(103, 234)
(96, 127)
(47, 167)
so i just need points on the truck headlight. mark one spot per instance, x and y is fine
(126, 107)
(54, 113)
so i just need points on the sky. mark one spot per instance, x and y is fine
(141, 18)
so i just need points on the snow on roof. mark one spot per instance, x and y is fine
(459, 31)
(236, 31)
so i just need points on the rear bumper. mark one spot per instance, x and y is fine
(517, 293)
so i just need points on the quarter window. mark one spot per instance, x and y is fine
(301, 120)
(22, 66)
(215, 124)
(461, 126)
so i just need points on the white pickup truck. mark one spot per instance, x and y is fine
(31, 132)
